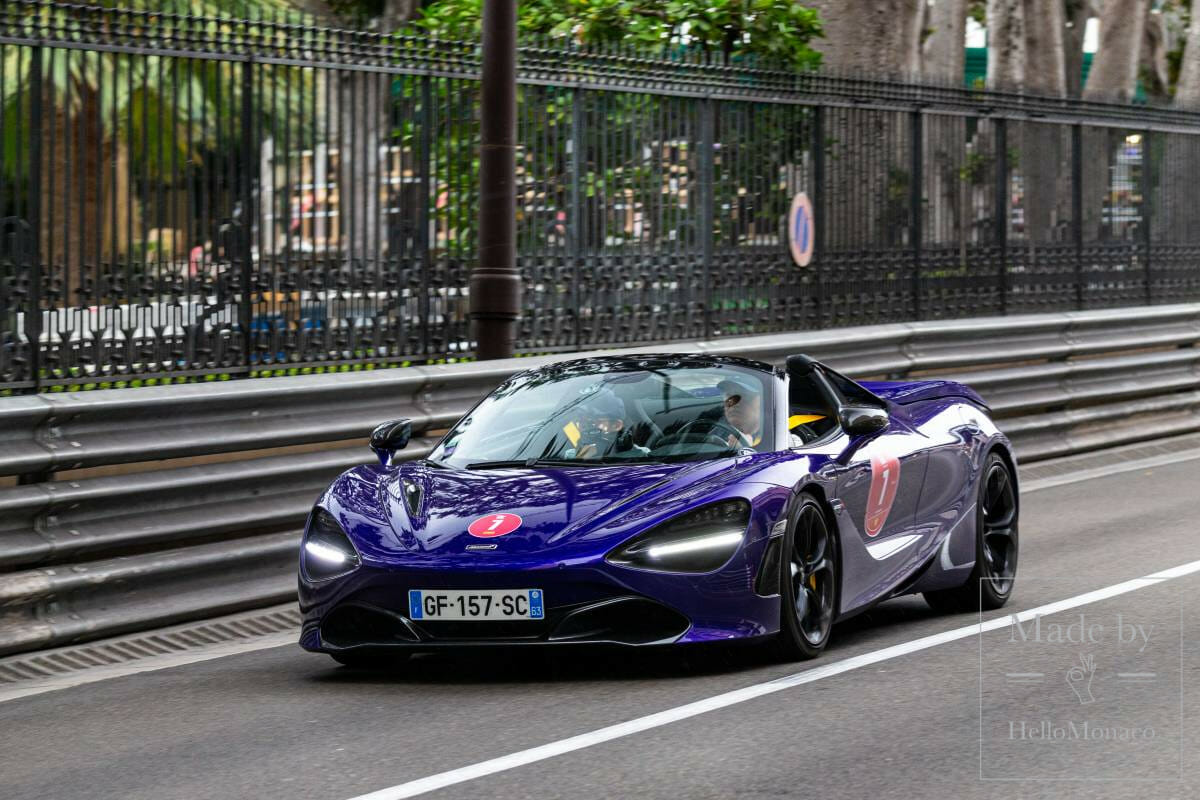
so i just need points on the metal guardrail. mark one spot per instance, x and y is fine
(85, 557)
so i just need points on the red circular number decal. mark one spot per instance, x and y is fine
(494, 525)
(885, 478)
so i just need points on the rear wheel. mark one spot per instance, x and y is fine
(807, 583)
(991, 581)
(370, 659)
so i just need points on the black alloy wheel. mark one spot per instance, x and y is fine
(991, 582)
(808, 583)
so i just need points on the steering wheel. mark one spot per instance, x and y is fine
(710, 435)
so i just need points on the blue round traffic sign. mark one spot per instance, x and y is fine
(801, 233)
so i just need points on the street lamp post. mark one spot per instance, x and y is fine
(495, 283)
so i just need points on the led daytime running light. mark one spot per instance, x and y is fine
(712, 541)
(326, 553)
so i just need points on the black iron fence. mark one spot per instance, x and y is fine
(185, 197)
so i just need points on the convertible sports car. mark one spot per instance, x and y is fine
(666, 499)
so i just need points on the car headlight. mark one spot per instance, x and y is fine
(698, 541)
(327, 549)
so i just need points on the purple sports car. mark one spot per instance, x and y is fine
(666, 499)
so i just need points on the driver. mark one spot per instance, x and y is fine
(599, 428)
(742, 406)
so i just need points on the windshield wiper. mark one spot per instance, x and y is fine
(530, 463)
(517, 462)
(676, 458)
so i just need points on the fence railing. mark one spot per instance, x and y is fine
(105, 537)
(186, 198)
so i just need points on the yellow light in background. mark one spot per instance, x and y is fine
(1133, 138)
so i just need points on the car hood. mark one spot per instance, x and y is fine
(430, 509)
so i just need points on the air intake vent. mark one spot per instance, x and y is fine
(412, 497)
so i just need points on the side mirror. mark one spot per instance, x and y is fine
(862, 420)
(389, 437)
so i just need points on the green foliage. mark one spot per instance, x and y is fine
(976, 169)
(977, 10)
(151, 102)
(776, 30)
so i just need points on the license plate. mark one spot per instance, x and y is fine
(459, 605)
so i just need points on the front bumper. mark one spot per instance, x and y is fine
(585, 604)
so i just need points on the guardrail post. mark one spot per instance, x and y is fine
(1147, 187)
(1000, 201)
(575, 222)
(245, 307)
(425, 165)
(1077, 207)
(707, 190)
(818, 204)
(917, 218)
(33, 305)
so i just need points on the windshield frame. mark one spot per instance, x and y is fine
(773, 414)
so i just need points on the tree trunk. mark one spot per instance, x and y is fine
(1045, 62)
(867, 163)
(1113, 78)
(1114, 72)
(1187, 91)
(1181, 158)
(943, 57)
(944, 52)
(1006, 44)
(880, 38)
(1152, 66)
(84, 213)
(1041, 156)
(362, 117)
(360, 105)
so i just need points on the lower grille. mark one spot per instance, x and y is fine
(626, 620)
(622, 620)
(353, 625)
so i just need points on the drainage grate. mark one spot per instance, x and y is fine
(167, 641)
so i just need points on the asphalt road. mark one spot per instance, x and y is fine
(941, 721)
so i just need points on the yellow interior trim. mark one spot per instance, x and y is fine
(803, 419)
(572, 432)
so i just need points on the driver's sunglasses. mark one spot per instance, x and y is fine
(732, 400)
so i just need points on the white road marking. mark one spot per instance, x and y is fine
(453, 777)
(1079, 476)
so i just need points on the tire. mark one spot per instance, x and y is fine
(991, 581)
(809, 569)
(368, 659)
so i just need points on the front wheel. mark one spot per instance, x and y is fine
(991, 581)
(807, 584)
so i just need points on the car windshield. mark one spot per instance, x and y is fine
(605, 413)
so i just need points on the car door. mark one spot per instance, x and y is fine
(881, 478)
